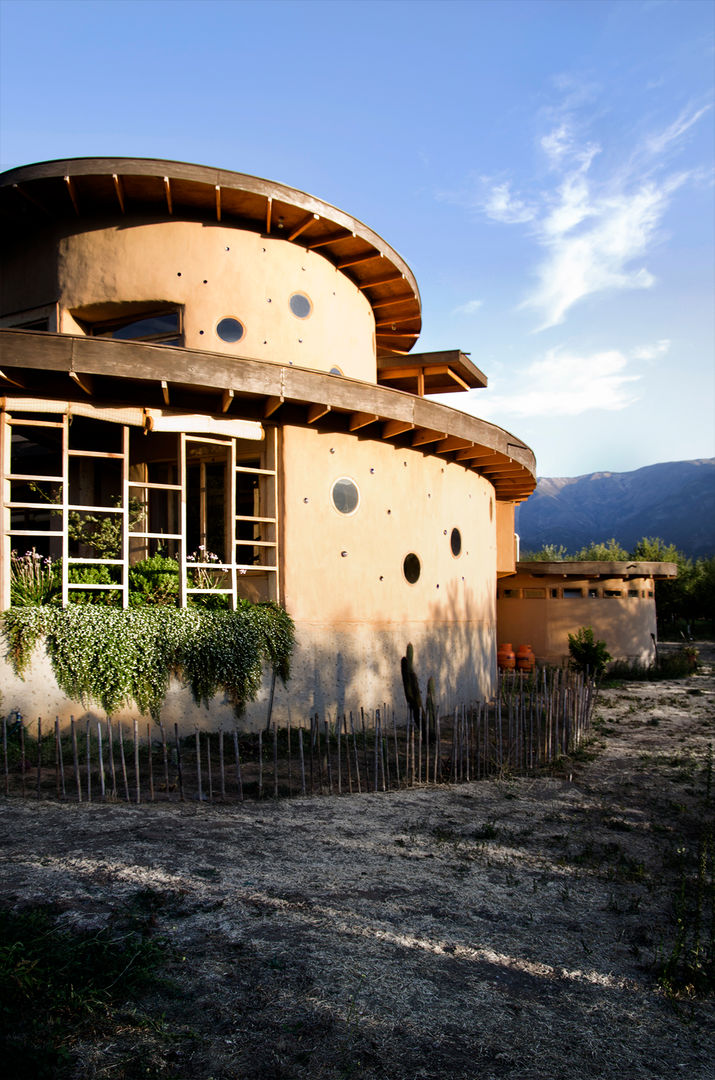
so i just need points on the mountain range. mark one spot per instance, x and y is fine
(674, 500)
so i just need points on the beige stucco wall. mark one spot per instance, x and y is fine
(506, 540)
(624, 623)
(215, 272)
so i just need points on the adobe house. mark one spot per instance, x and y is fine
(544, 602)
(220, 364)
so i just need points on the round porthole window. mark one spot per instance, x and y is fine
(335, 371)
(230, 330)
(455, 542)
(300, 305)
(345, 495)
(411, 568)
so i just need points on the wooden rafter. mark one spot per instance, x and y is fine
(422, 437)
(390, 335)
(477, 453)
(14, 382)
(269, 211)
(119, 190)
(167, 193)
(84, 382)
(334, 238)
(226, 399)
(165, 391)
(356, 260)
(305, 224)
(272, 404)
(316, 411)
(392, 303)
(451, 443)
(398, 319)
(31, 199)
(218, 202)
(391, 428)
(362, 419)
(380, 281)
(72, 191)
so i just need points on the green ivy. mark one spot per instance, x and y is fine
(118, 658)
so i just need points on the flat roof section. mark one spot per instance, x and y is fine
(445, 372)
(593, 570)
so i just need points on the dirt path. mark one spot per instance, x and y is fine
(498, 929)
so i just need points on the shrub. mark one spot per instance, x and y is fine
(588, 654)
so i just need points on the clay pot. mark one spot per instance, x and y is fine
(506, 658)
(525, 659)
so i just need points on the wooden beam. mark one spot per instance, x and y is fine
(334, 238)
(272, 404)
(226, 399)
(72, 193)
(392, 323)
(119, 190)
(316, 411)
(31, 199)
(453, 376)
(14, 382)
(305, 224)
(218, 202)
(167, 192)
(389, 334)
(391, 303)
(85, 382)
(165, 391)
(452, 442)
(477, 453)
(269, 211)
(422, 436)
(355, 260)
(391, 428)
(380, 281)
(362, 419)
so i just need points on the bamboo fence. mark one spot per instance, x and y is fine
(533, 721)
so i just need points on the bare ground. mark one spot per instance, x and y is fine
(497, 929)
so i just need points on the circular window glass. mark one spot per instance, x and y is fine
(345, 495)
(411, 568)
(335, 371)
(455, 542)
(300, 305)
(230, 330)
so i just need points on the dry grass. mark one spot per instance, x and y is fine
(498, 929)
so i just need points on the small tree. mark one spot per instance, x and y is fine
(588, 654)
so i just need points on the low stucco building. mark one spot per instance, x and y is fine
(544, 602)
(217, 363)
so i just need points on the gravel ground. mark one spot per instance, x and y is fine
(503, 928)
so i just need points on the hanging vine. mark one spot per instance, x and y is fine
(118, 658)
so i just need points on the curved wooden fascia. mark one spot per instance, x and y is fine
(128, 367)
(206, 182)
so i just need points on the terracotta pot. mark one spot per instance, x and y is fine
(506, 658)
(525, 659)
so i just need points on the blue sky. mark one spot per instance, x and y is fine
(545, 168)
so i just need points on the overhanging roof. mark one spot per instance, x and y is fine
(445, 372)
(569, 568)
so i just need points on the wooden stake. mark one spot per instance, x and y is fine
(110, 750)
(290, 764)
(165, 756)
(39, 755)
(100, 756)
(137, 778)
(60, 762)
(260, 764)
(179, 770)
(75, 759)
(302, 760)
(397, 754)
(364, 749)
(221, 765)
(208, 766)
(311, 754)
(197, 741)
(237, 756)
(123, 761)
(329, 769)
(357, 759)
(347, 754)
(376, 729)
(4, 755)
(151, 763)
(23, 763)
(88, 744)
(340, 764)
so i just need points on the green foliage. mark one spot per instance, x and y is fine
(548, 553)
(58, 984)
(676, 665)
(115, 658)
(154, 581)
(610, 551)
(588, 654)
(33, 579)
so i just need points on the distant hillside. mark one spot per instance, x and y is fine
(675, 500)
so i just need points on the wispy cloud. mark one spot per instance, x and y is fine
(595, 231)
(469, 308)
(566, 383)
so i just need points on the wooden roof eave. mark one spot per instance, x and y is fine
(417, 420)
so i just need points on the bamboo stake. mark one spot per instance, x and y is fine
(4, 755)
(222, 773)
(208, 766)
(179, 770)
(39, 755)
(100, 757)
(60, 763)
(110, 750)
(239, 778)
(302, 760)
(123, 762)
(137, 778)
(75, 759)
(23, 763)
(165, 758)
(88, 744)
(275, 762)
(151, 763)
